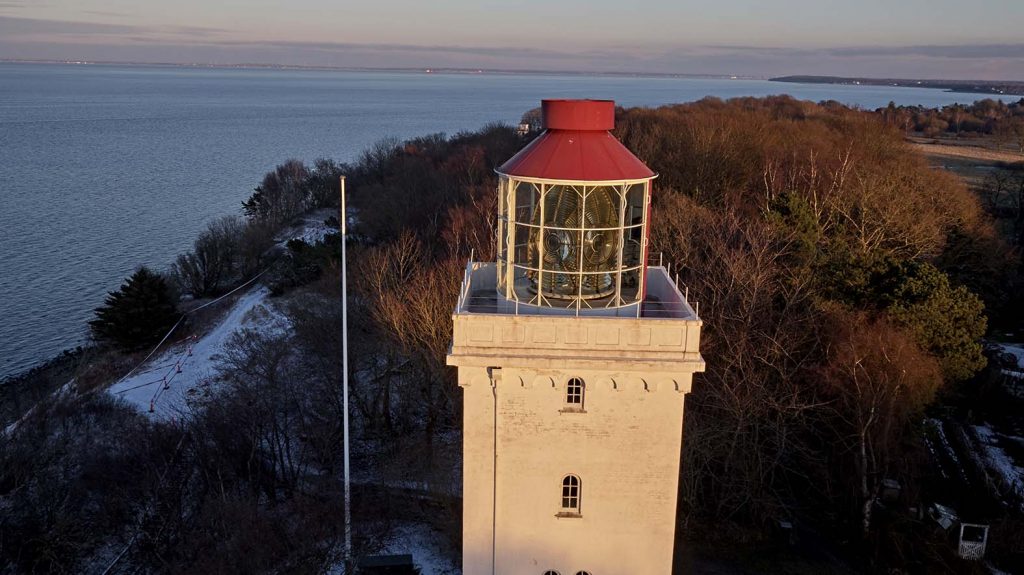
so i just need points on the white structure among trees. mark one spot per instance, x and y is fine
(574, 357)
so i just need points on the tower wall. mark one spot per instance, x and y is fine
(521, 438)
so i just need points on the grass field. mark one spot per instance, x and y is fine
(970, 152)
(973, 160)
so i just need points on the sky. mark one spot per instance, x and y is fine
(946, 39)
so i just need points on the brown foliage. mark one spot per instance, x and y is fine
(744, 414)
(470, 226)
(878, 382)
(856, 174)
(755, 198)
(410, 296)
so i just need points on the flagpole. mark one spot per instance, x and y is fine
(344, 368)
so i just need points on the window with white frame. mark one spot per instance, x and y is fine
(571, 494)
(574, 389)
(551, 572)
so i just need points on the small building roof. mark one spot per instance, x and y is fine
(577, 146)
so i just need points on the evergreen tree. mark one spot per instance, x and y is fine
(137, 314)
(947, 321)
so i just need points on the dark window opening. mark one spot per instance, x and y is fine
(574, 392)
(571, 494)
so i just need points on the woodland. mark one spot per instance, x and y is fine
(847, 291)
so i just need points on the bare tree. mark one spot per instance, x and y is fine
(215, 258)
(881, 382)
(745, 413)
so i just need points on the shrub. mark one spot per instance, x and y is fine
(323, 183)
(281, 196)
(947, 321)
(211, 265)
(138, 314)
(303, 262)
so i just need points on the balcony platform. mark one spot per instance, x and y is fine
(662, 333)
(664, 300)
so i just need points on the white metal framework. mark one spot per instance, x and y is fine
(572, 244)
(973, 538)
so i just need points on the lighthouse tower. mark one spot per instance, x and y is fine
(574, 357)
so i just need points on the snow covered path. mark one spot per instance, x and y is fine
(192, 376)
(425, 546)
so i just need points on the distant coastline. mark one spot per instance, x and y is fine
(996, 88)
(468, 71)
(993, 87)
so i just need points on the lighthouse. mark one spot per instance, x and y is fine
(574, 356)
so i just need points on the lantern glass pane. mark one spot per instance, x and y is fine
(574, 245)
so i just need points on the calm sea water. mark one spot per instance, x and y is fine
(104, 168)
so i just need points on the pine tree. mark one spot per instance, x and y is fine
(137, 314)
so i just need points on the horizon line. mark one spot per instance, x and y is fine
(477, 70)
(419, 69)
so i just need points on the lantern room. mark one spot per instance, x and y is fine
(573, 215)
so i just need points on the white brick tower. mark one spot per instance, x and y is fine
(574, 357)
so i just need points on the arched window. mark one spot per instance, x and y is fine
(574, 389)
(583, 573)
(551, 572)
(571, 494)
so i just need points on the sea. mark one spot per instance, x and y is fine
(104, 168)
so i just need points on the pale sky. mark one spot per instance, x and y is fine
(980, 39)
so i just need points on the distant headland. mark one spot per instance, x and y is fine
(995, 87)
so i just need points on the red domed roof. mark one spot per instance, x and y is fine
(577, 146)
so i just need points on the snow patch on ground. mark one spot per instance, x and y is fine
(997, 460)
(426, 546)
(947, 449)
(1013, 377)
(1014, 350)
(311, 230)
(186, 371)
(995, 570)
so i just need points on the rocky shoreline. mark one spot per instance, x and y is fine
(20, 390)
